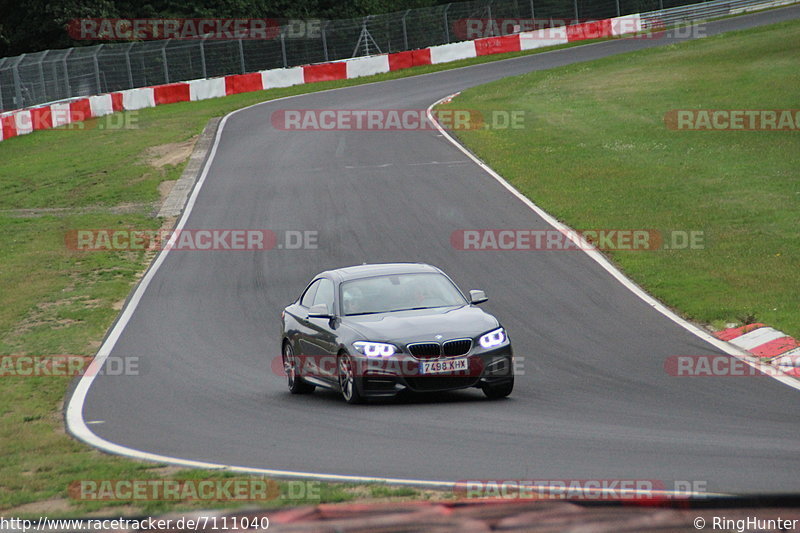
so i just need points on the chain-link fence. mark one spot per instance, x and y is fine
(32, 79)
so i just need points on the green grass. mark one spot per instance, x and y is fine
(57, 301)
(595, 152)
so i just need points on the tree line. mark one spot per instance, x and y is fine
(28, 26)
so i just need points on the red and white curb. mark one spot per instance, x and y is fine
(768, 344)
(24, 121)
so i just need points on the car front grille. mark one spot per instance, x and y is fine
(432, 350)
(457, 347)
(425, 350)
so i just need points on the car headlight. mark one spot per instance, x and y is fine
(375, 349)
(493, 338)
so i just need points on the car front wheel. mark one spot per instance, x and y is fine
(347, 380)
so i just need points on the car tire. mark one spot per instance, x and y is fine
(347, 380)
(501, 390)
(296, 384)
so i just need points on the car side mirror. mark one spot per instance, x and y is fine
(319, 311)
(477, 297)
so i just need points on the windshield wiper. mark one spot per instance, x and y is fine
(398, 310)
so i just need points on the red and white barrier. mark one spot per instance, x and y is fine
(23, 122)
(367, 66)
(61, 114)
(282, 77)
(58, 114)
(545, 37)
(626, 24)
(767, 343)
(452, 52)
(134, 99)
(101, 105)
(205, 89)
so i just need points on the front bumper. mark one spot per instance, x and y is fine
(387, 377)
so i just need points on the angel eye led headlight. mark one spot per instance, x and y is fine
(493, 338)
(375, 349)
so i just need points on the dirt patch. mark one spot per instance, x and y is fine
(53, 506)
(170, 153)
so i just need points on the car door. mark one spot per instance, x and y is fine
(322, 337)
(305, 346)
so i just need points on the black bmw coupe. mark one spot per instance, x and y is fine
(376, 330)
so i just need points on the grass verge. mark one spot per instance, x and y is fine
(595, 152)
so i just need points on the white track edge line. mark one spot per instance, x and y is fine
(592, 252)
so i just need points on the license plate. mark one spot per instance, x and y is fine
(441, 367)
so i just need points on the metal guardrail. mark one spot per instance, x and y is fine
(706, 10)
(32, 79)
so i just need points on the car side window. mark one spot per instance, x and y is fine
(325, 294)
(308, 297)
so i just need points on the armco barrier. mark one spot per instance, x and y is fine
(57, 114)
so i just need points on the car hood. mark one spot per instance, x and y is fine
(423, 324)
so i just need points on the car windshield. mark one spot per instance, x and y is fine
(398, 292)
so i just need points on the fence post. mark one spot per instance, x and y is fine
(241, 56)
(405, 30)
(2, 107)
(533, 16)
(446, 24)
(489, 12)
(283, 49)
(325, 39)
(203, 56)
(618, 13)
(128, 64)
(41, 77)
(164, 59)
(575, 3)
(66, 73)
(18, 83)
(97, 68)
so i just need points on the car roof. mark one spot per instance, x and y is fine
(378, 269)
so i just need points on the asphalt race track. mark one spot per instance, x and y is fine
(594, 402)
